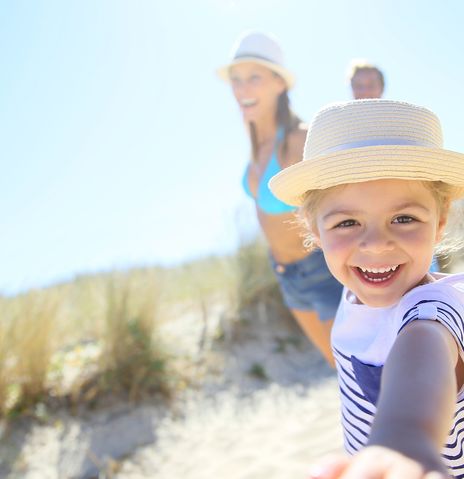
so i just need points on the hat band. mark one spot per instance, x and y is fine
(254, 55)
(377, 142)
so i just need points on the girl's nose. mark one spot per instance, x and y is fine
(376, 240)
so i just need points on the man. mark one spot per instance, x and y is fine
(367, 81)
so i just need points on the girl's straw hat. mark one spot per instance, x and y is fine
(364, 140)
(258, 48)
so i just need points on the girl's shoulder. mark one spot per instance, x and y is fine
(445, 280)
(446, 288)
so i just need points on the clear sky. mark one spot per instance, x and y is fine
(119, 146)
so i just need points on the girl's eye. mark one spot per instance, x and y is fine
(403, 219)
(255, 78)
(346, 224)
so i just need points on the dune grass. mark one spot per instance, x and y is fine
(133, 359)
(101, 334)
(114, 314)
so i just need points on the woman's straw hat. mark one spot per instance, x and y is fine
(258, 48)
(364, 140)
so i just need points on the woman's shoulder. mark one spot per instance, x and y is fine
(297, 135)
(295, 144)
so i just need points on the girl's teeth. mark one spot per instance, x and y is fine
(386, 272)
(379, 270)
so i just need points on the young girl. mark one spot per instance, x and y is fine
(375, 188)
(260, 84)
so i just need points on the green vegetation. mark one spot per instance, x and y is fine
(258, 371)
(101, 335)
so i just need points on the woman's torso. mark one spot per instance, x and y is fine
(277, 220)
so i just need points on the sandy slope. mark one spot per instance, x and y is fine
(270, 424)
(273, 434)
(243, 427)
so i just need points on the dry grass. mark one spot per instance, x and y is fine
(5, 363)
(255, 281)
(101, 333)
(26, 347)
(252, 292)
(133, 360)
(45, 333)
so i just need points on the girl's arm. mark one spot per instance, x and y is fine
(418, 394)
(414, 411)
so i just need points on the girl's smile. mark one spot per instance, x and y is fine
(383, 247)
(379, 276)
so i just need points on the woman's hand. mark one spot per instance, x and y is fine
(373, 462)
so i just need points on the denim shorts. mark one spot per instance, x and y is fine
(308, 285)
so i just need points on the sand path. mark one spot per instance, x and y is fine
(243, 427)
(267, 408)
(276, 433)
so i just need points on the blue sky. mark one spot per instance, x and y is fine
(119, 145)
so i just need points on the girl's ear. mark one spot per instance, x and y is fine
(442, 222)
(316, 239)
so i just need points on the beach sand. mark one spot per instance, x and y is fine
(266, 407)
(271, 424)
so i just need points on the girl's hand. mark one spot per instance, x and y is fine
(373, 462)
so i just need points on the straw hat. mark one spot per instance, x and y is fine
(260, 48)
(364, 140)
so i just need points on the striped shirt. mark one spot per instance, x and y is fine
(363, 336)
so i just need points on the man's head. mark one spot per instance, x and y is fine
(367, 81)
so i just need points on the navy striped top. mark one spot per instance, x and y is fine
(363, 336)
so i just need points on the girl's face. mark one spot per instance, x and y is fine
(256, 89)
(378, 237)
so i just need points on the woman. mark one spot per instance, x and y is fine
(260, 84)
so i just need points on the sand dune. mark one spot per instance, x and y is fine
(267, 408)
(275, 433)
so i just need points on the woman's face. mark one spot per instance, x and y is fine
(256, 89)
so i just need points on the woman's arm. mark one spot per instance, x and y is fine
(414, 411)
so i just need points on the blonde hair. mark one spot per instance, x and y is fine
(451, 242)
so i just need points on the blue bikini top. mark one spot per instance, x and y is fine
(265, 200)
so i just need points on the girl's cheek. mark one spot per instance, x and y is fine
(335, 241)
(415, 237)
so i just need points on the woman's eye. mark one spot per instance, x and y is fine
(346, 224)
(255, 78)
(404, 219)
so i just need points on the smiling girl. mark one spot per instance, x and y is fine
(375, 189)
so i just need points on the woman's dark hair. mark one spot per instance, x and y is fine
(285, 119)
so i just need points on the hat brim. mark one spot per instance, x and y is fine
(369, 164)
(224, 72)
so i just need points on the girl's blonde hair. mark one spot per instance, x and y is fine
(451, 242)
